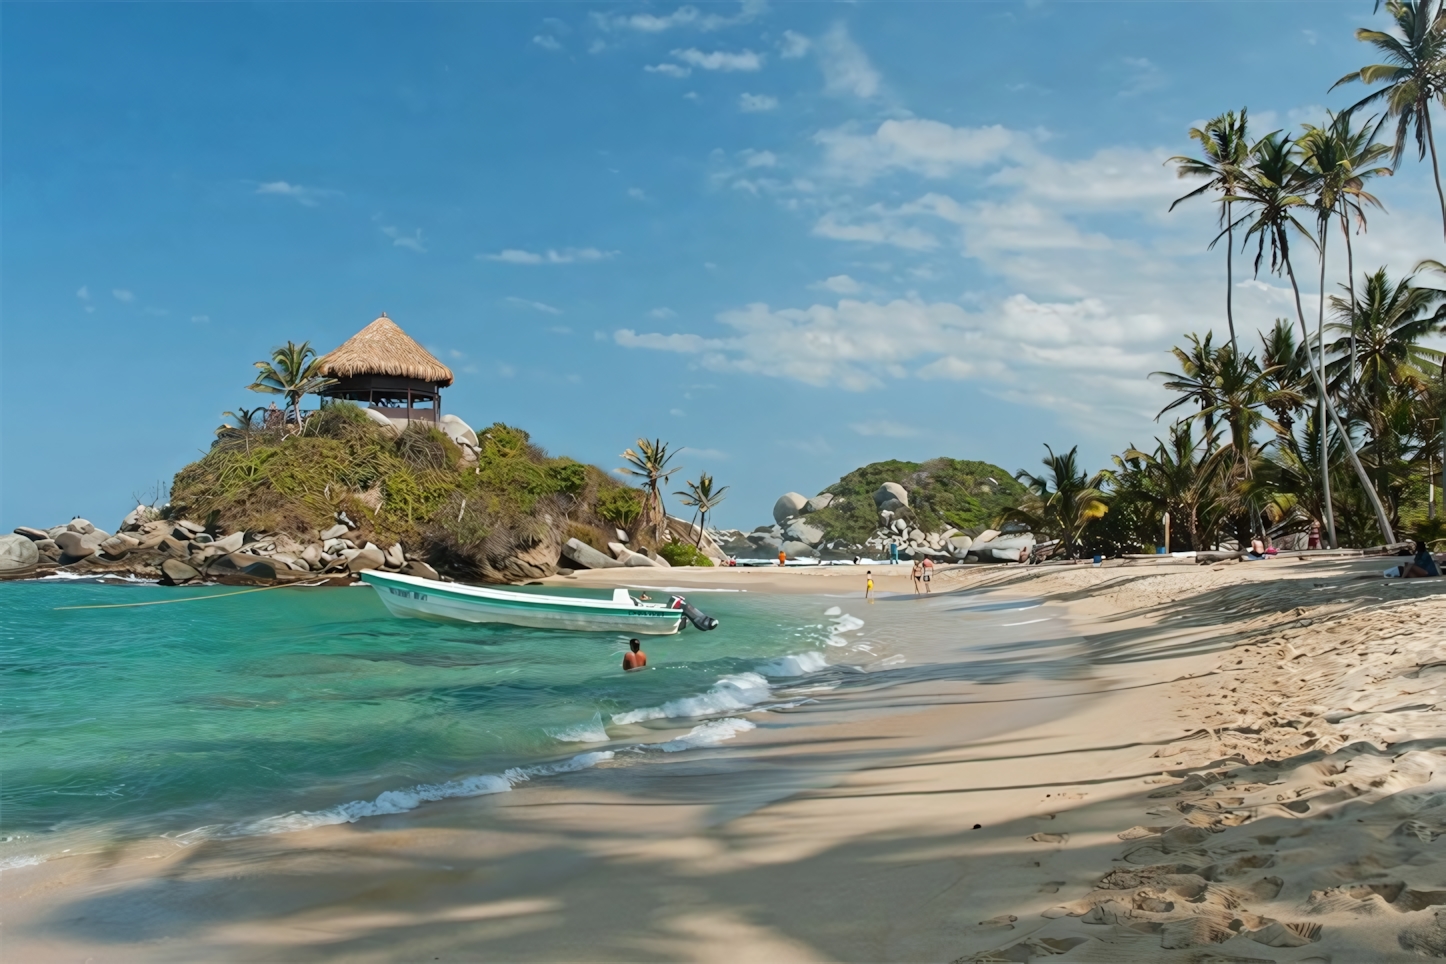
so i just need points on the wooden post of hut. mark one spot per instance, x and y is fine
(385, 369)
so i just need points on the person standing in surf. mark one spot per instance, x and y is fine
(635, 658)
(869, 585)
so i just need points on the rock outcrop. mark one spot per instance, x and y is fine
(788, 505)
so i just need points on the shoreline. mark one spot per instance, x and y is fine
(844, 829)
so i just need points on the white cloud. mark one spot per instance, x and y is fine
(752, 158)
(794, 45)
(881, 231)
(669, 70)
(840, 284)
(411, 241)
(756, 103)
(84, 293)
(925, 147)
(706, 454)
(547, 42)
(745, 60)
(637, 194)
(846, 68)
(533, 305)
(684, 16)
(308, 196)
(550, 256)
(884, 428)
(121, 294)
(1143, 75)
(662, 313)
(687, 344)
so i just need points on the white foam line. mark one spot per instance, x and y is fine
(682, 589)
(1028, 622)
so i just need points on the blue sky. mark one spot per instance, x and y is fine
(793, 238)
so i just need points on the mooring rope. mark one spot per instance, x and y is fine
(166, 602)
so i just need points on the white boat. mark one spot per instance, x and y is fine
(450, 602)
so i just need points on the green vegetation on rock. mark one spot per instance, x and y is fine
(966, 494)
(683, 554)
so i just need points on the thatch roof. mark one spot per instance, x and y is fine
(382, 348)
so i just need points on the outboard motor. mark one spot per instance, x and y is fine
(695, 616)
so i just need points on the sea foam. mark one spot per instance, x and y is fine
(592, 731)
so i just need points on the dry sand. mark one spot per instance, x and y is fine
(1253, 769)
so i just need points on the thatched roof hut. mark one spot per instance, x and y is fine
(383, 366)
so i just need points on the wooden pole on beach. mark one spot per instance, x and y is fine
(1167, 530)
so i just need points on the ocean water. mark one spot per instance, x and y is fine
(271, 711)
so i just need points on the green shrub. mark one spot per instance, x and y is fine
(683, 554)
(620, 506)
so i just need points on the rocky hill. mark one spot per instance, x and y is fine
(944, 508)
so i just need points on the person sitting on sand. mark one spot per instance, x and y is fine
(1257, 551)
(1423, 565)
(636, 659)
(928, 573)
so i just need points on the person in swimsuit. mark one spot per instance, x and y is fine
(869, 586)
(917, 573)
(928, 573)
(635, 658)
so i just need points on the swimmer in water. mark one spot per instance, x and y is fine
(635, 658)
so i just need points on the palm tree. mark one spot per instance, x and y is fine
(1276, 189)
(1414, 73)
(1063, 501)
(1198, 380)
(1183, 476)
(1283, 364)
(703, 498)
(650, 464)
(294, 371)
(1226, 148)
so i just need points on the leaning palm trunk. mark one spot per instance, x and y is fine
(1230, 276)
(1325, 451)
(1381, 519)
(1435, 166)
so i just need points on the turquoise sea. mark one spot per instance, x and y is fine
(269, 711)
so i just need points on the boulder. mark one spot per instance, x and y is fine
(231, 543)
(381, 420)
(891, 506)
(169, 545)
(17, 552)
(311, 555)
(76, 545)
(820, 501)
(657, 559)
(118, 545)
(891, 490)
(585, 555)
(630, 558)
(81, 526)
(191, 527)
(138, 517)
(622, 536)
(54, 531)
(789, 504)
(421, 570)
(34, 535)
(799, 550)
(335, 532)
(986, 536)
(529, 558)
(457, 430)
(960, 543)
(176, 572)
(203, 538)
(800, 531)
(335, 545)
(916, 535)
(395, 557)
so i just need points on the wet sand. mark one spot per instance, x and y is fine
(1239, 761)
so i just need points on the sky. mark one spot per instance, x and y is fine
(788, 238)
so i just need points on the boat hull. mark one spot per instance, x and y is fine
(414, 598)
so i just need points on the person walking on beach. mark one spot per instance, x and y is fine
(635, 658)
(917, 574)
(782, 557)
(928, 573)
(893, 552)
(869, 585)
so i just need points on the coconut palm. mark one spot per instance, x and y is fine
(1063, 501)
(650, 464)
(703, 499)
(1276, 191)
(1283, 364)
(294, 371)
(1414, 73)
(1226, 149)
(1184, 476)
(1198, 380)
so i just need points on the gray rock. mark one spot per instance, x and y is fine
(421, 570)
(54, 531)
(231, 543)
(76, 545)
(381, 420)
(177, 572)
(891, 506)
(118, 545)
(800, 531)
(203, 538)
(585, 555)
(916, 535)
(789, 504)
(395, 557)
(34, 535)
(311, 555)
(335, 532)
(191, 527)
(799, 550)
(986, 536)
(630, 558)
(657, 559)
(622, 536)
(139, 516)
(891, 490)
(960, 543)
(820, 501)
(334, 545)
(457, 430)
(17, 552)
(79, 525)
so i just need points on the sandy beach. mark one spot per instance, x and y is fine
(1235, 762)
